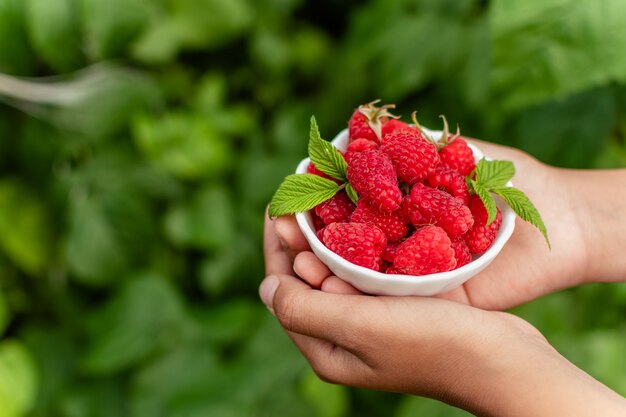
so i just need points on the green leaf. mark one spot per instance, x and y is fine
(18, 379)
(494, 173)
(352, 193)
(325, 156)
(556, 40)
(488, 200)
(25, 233)
(54, 32)
(524, 208)
(301, 192)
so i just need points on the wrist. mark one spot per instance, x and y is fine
(599, 202)
(526, 376)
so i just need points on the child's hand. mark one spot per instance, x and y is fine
(490, 363)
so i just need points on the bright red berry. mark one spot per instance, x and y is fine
(412, 155)
(359, 243)
(457, 156)
(390, 251)
(410, 212)
(391, 223)
(461, 252)
(427, 251)
(480, 237)
(360, 145)
(393, 125)
(367, 121)
(373, 176)
(335, 210)
(439, 208)
(318, 223)
(451, 182)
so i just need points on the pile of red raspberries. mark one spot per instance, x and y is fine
(415, 214)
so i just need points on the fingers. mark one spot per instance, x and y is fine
(330, 362)
(301, 309)
(289, 232)
(336, 285)
(311, 269)
(277, 260)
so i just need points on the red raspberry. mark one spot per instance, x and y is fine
(366, 121)
(427, 251)
(410, 212)
(393, 125)
(480, 237)
(318, 223)
(359, 243)
(439, 208)
(461, 252)
(372, 175)
(359, 145)
(336, 210)
(412, 155)
(390, 251)
(451, 182)
(312, 169)
(457, 156)
(391, 223)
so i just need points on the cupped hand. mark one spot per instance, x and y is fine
(487, 362)
(525, 268)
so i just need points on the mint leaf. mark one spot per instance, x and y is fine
(352, 193)
(324, 155)
(494, 173)
(523, 207)
(488, 201)
(301, 192)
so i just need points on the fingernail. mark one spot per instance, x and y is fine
(267, 290)
(277, 227)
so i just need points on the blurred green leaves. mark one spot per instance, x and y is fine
(18, 379)
(25, 227)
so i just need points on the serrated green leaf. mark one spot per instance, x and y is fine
(488, 201)
(324, 155)
(352, 193)
(523, 207)
(301, 192)
(494, 173)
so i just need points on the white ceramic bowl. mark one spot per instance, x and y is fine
(378, 283)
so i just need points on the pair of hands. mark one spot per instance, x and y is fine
(452, 347)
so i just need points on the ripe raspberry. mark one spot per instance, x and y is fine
(480, 237)
(409, 211)
(373, 177)
(393, 125)
(451, 182)
(439, 208)
(336, 210)
(391, 223)
(360, 145)
(390, 251)
(412, 155)
(361, 244)
(318, 223)
(427, 251)
(357, 146)
(457, 156)
(461, 252)
(312, 169)
(366, 121)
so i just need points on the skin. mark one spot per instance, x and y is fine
(487, 362)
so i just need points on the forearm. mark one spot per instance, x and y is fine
(536, 381)
(602, 212)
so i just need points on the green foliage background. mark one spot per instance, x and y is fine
(132, 191)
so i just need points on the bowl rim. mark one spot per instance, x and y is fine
(505, 232)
